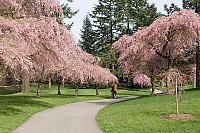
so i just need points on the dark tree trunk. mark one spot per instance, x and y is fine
(3, 71)
(197, 66)
(194, 77)
(14, 83)
(49, 83)
(170, 61)
(153, 86)
(76, 91)
(38, 90)
(97, 92)
(59, 85)
(25, 84)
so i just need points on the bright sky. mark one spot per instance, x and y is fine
(86, 6)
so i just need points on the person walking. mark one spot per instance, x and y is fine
(114, 90)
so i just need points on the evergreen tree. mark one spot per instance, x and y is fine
(192, 4)
(134, 14)
(171, 9)
(113, 18)
(87, 41)
(104, 23)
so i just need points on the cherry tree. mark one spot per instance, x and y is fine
(34, 45)
(133, 60)
(142, 80)
(160, 45)
(171, 36)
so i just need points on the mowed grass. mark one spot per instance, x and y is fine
(142, 115)
(16, 108)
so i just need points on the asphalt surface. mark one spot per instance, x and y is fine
(70, 118)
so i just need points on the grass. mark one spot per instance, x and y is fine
(16, 108)
(142, 115)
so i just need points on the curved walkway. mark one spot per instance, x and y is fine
(70, 118)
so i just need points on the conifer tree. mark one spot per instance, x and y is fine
(104, 23)
(171, 9)
(134, 14)
(113, 18)
(192, 4)
(87, 41)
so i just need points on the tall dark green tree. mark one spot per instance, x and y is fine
(114, 18)
(195, 5)
(192, 4)
(134, 14)
(104, 23)
(87, 41)
(171, 9)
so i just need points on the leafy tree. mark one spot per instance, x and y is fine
(87, 42)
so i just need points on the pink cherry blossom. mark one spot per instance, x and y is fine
(37, 45)
(153, 49)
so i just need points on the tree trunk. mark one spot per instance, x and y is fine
(97, 92)
(76, 91)
(177, 96)
(3, 71)
(59, 85)
(14, 84)
(25, 84)
(194, 77)
(170, 61)
(38, 90)
(153, 86)
(197, 66)
(113, 67)
(63, 83)
(49, 83)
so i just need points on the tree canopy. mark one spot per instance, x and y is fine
(33, 43)
(160, 45)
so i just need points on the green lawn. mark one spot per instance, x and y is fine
(142, 115)
(17, 108)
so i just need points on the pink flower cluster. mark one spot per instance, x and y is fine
(40, 47)
(32, 7)
(151, 49)
(142, 80)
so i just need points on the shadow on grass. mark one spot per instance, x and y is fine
(13, 104)
(137, 89)
(9, 90)
(193, 89)
(73, 96)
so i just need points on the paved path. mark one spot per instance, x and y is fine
(70, 118)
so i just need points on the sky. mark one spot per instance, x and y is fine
(86, 6)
